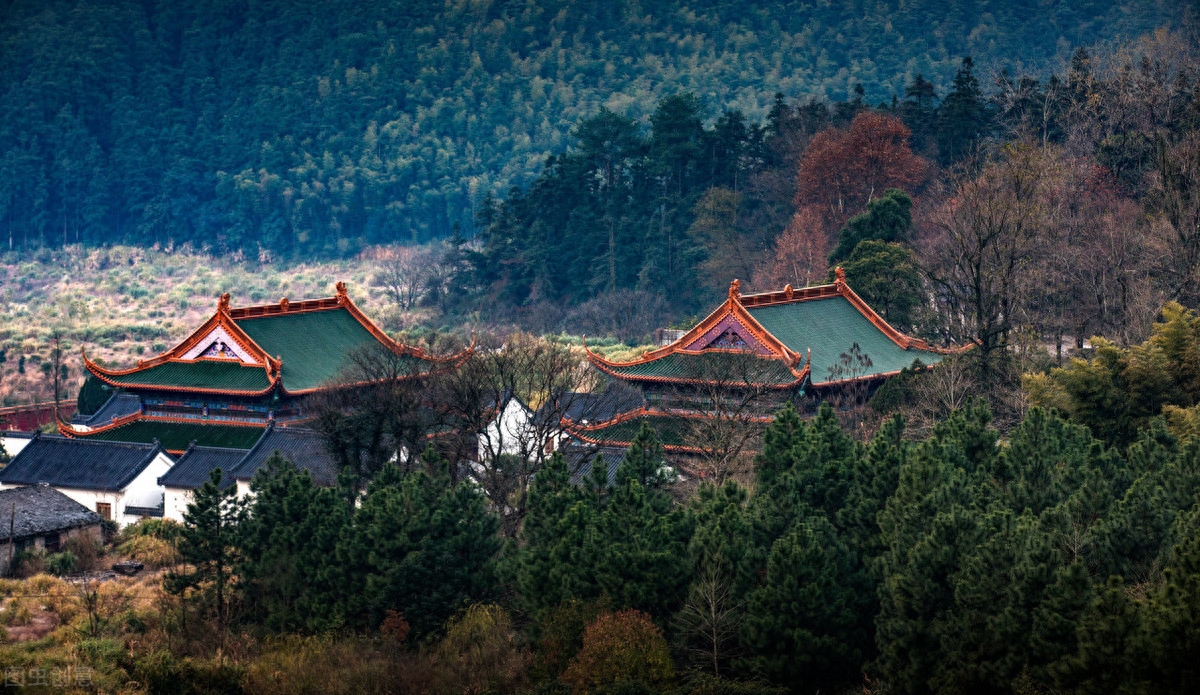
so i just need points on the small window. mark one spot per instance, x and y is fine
(52, 543)
(104, 509)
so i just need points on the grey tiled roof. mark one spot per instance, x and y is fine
(304, 448)
(595, 407)
(78, 463)
(39, 509)
(193, 468)
(119, 405)
(579, 461)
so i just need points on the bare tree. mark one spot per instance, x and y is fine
(731, 397)
(623, 314)
(849, 390)
(508, 402)
(381, 408)
(938, 391)
(979, 247)
(710, 619)
(1175, 200)
(403, 274)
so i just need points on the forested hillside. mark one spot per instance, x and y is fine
(321, 127)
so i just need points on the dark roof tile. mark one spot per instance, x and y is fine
(39, 509)
(193, 468)
(177, 436)
(579, 461)
(79, 464)
(304, 448)
(119, 405)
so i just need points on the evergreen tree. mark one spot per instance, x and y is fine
(886, 276)
(722, 572)
(888, 218)
(290, 540)
(644, 461)
(551, 536)
(93, 394)
(430, 546)
(801, 624)
(209, 544)
(962, 118)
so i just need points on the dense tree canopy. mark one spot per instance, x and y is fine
(304, 127)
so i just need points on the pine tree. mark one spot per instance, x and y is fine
(638, 546)
(431, 546)
(962, 118)
(291, 575)
(551, 536)
(644, 461)
(801, 624)
(210, 546)
(888, 218)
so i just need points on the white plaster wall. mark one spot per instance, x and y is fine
(144, 490)
(175, 502)
(89, 498)
(14, 445)
(506, 433)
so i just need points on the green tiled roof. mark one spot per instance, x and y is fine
(313, 344)
(830, 327)
(209, 374)
(176, 436)
(672, 431)
(711, 366)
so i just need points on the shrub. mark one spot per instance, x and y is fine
(61, 564)
(164, 529)
(153, 552)
(478, 653)
(298, 665)
(623, 649)
(29, 562)
(161, 672)
(16, 612)
(87, 550)
(561, 630)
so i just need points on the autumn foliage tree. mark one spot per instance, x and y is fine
(843, 170)
(625, 647)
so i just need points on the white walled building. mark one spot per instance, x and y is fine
(117, 480)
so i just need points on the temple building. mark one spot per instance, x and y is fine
(243, 369)
(748, 357)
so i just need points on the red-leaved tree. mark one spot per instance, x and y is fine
(844, 169)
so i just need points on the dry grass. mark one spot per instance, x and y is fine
(151, 551)
(318, 665)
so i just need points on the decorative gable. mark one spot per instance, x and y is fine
(728, 334)
(218, 344)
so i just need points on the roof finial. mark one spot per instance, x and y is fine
(283, 304)
(839, 275)
(735, 289)
(340, 288)
(789, 291)
(223, 303)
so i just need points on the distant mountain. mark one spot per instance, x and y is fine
(317, 126)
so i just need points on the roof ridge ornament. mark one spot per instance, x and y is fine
(340, 290)
(283, 304)
(839, 277)
(223, 304)
(735, 288)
